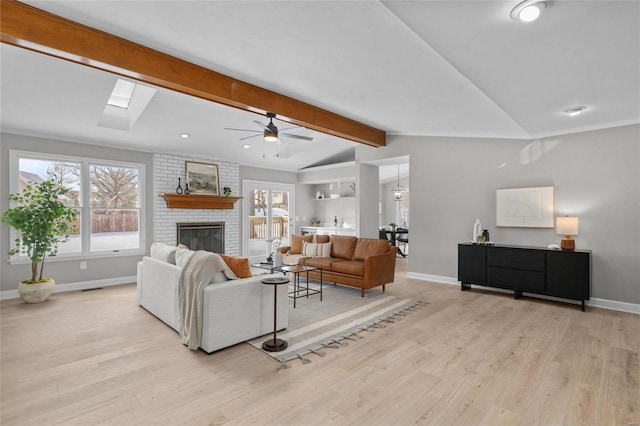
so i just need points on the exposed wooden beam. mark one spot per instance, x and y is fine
(31, 28)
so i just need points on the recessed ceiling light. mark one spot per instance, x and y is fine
(528, 10)
(185, 135)
(246, 146)
(573, 111)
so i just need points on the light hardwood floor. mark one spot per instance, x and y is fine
(467, 358)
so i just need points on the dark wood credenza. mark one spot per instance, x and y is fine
(564, 274)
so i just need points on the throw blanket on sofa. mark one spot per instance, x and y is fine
(196, 275)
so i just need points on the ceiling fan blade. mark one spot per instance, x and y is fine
(249, 137)
(244, 130)
(291, 128)
(289, 135)
(264, 126)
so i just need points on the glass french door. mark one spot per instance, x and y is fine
(268, 216)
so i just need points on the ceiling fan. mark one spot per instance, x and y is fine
(270, 131)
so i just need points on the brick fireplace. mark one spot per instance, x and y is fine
(167, 169)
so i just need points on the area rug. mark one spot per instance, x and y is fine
(341, 317)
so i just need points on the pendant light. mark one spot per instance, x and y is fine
(398, 189)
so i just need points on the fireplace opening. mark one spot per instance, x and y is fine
(207, 236)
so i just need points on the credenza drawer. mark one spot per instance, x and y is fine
(516, 279)
(531, 260)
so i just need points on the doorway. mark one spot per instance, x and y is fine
(268, 217)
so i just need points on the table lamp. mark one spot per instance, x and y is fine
(567, 226)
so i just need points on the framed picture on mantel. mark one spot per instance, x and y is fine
(525, 207)
(202, 178)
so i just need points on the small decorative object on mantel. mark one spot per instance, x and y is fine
(227, 191)
(179, 188)
(187, 191)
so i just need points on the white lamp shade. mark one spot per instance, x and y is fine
(567, 225)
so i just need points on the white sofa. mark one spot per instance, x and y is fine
(233, 311)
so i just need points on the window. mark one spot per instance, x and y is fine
(106, 195)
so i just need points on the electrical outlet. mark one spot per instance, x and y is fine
(83, 265)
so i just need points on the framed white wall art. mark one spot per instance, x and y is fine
(525, 207)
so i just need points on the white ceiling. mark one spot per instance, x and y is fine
(438, 68)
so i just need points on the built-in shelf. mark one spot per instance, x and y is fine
(194, 201)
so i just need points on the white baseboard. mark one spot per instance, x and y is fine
(82, 285)
(614, 305)
(434, 278)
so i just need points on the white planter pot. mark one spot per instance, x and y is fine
(36, 293)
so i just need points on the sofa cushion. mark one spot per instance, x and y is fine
(182, 256)
(296, 242)
(342, 246)
(367, 247)
(239, 265)
(316, 249)
(163, 252)
(322, 239)
(352, 267)
(320, 262)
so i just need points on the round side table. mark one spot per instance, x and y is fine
(275, 344)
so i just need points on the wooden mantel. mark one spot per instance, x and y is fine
(194, 201)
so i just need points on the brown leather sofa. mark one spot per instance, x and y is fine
(358, 262)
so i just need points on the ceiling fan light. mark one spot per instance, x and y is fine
(270, 136)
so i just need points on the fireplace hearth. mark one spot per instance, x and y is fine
(207, 236)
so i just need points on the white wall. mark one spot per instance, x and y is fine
(367, 196)
(596, 176)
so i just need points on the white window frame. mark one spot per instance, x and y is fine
(85, 196)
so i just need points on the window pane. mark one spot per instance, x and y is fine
(280, 216)
(65, 173)
(113, 187)
(114, 229)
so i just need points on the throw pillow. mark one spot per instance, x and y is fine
(309, 249)
(324, 250)
(163, 252)
(296, 242)
(239, 265)
(316, 249)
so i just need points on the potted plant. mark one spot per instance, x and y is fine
(226, 190)
(393, 226)
(43, 221)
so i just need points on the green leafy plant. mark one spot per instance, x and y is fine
(43, 220)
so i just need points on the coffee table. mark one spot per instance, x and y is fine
(296, 270)
(275, 344)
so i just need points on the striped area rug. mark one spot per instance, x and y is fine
(341, 317)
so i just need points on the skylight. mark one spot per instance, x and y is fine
(122, 93)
